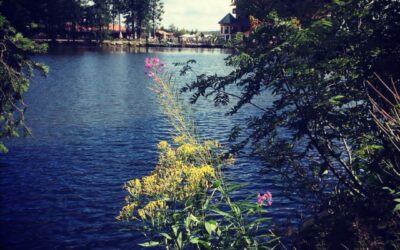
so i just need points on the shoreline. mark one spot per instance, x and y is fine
(125, 44)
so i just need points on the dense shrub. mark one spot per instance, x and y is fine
(316, 66)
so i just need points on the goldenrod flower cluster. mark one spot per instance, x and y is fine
(152, 209)
(183, 172)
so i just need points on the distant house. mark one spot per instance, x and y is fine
(234, 23)
(84, 31)
(229, 26)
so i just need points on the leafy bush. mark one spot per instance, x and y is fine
(317, 129)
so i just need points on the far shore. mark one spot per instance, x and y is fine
(128, 43)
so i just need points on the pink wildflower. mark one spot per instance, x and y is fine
(147, 63)
(152, 63)
(150, 74)
(265, 197)
(155, 61)
(152, 66)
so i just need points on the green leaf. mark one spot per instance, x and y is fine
(166, 236)
(179, 240)
(364, 151)
(187, 222)
(3, 149)
(336, 100)
(205, 244)
(193, 218)
(391, 191)
(216, 184)
(194, 240)
(205, 205)
(210, 226)
(396, 208)
(222, 213)
(150, 244)
(175, 229)
(236, 187)
(235, 209)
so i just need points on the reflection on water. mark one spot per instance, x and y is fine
(127, 49)
(95, 125)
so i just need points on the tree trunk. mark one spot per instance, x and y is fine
(139, 28)
(133, 23)
(119, 22)
(154, 28)
(73, 31)
(99, 33)
(113, 23)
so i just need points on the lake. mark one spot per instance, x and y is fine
(95, 126)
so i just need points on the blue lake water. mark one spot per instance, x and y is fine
(96, 125)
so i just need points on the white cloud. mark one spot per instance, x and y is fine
(202, 15)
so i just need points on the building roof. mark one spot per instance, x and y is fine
(82, 28)
(229, 19)
(116, 27)
(164, 33)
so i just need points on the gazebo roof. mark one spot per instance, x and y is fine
(229, 19)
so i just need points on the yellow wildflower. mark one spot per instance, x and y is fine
(127, 211)
(180, 139)
(187, 149)
(170, 155)
(134, 187)
(153, 207)
(150, 184)
(141, 214)
(163, 145)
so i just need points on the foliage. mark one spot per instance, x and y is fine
(179, 32)
(42, 16)
(302, 9)
(137, 11)
(184, 202)
(50, 17)
(16, 70)
(155, 14)
(317, 130)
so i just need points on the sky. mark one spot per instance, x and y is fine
(202, 15)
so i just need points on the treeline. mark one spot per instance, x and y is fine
(59, 18)
(180, 31)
